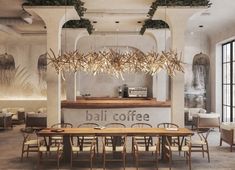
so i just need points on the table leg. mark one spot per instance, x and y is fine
(66, 149)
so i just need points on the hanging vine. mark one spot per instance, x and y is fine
(149, 23)
(78, 5)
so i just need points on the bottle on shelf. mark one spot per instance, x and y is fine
(125, 90)
(120, 92)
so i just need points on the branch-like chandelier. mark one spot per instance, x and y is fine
(116, 63)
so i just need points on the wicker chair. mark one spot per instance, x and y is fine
(140, 147)
(115, 145)
(170, 148)
(87, 148)
(87, 139)
(30, 141)
(146, 140)
(52, 151)
(175, 139)
(59, 139)
(199, 142)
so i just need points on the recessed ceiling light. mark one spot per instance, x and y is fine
(205, 14)
(116, 22)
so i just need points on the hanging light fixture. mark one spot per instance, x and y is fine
(114, 62)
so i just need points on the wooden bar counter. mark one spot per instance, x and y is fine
(112, 102)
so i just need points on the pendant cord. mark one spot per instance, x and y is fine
(164, 23)
(65, 20)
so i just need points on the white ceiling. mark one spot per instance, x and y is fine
(128, 12)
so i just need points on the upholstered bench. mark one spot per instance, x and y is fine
(5, 120)
(227, 134)
(18, 114)
(188, 115)
(36, 120)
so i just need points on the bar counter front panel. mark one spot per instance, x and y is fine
(111, 110)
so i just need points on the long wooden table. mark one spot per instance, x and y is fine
(67, 132)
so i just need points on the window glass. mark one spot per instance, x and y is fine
(234, 72)
(224, 53)
(233, 50)
(228, 86)
(227, 73)
(228, 53)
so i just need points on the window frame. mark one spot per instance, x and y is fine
(228, 84)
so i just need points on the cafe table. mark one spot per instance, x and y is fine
(68, 132)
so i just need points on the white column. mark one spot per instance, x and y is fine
(177, 19)
(54, 17)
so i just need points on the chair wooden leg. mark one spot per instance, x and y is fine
(189, 160)
(104, 160)
(27, 151)
(97, 146)
(170, 160)
(203, 150)
(124, 160)
(71, 160)
(207, 147)
(39, 160)
(22, 153)
(220, 143)
(91, 159)
(137, 160)
(58, 162)
(156, 156)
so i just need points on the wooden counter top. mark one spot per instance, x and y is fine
(93, 102)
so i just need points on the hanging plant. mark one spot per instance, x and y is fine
(78, 4)
(79, 8)
(156, 24)
(50, 2)
(190, 3)
(83, 23)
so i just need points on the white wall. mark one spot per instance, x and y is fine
(225, 35)
(195, 43)
(25, 50)
(107, 85)
(29, 105)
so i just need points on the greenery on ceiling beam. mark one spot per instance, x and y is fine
(191, 3)
(78, 4)
(50, 2)
(83, 23)
(155, 24)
